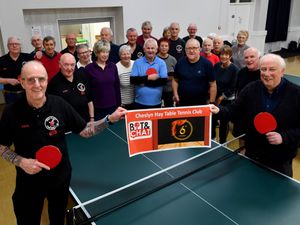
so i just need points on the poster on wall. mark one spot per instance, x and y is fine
(163, 129)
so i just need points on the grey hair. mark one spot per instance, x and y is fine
(107, 28)
(82, 46)
(193, 40)
(277, 58)
(150, 40)
(146, 23)
(101, 46)
(124, 48)
(13, 37)
(131, 29)
(208, 40)
(257, 52)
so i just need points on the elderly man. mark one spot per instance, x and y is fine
(85, 56)
(49, 57)
(177, 45)
(32, 122)
(218, 43)
(149, 85)
(73, 87)
(71, 45)
(10, 69)
(107, 35)
(192, 30)
(245, 76)
(251, 71)
(37, 43)
(276, 95)
(135, 49)
(206, 53)
(194, 82)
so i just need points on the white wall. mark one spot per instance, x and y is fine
(210, 16)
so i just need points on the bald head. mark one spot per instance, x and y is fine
(192, 30)
(67, 65)
(33, 68)
(67, 57)
(34, 81)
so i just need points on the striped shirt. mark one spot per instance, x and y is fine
(127, 89)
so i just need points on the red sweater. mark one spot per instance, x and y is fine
(51, 64)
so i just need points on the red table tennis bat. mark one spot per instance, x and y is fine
(150, 71)
(49, 155)
(265, 122)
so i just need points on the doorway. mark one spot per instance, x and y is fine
(239, 18)
(87, 31)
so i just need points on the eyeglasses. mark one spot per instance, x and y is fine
(12, 44)
(191, 48)
(32, 80)
(82, 53)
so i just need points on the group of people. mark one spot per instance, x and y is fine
(96, 88)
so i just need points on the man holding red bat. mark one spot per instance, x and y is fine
(30, 124)
(149, 75)
(274, 146)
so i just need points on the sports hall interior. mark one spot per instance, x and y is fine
(223, 17)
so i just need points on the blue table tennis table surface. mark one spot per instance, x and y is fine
(233, 191)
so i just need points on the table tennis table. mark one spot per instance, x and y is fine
(235, 190)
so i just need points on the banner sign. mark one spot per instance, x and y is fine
(168, 128)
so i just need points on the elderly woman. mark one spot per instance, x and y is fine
(104, 81)
(166, 33)
(239, 48)
(163, 49)
(124, 70)
(146, 33)
(226, 76)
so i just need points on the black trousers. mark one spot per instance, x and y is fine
(28, 201)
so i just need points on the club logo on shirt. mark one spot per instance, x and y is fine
(140, 129)
(139, 54)
(179, 48)
(81, 88)
(51, 123)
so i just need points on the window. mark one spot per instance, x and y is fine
(87, 31)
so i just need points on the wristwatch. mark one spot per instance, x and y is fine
(107, 120)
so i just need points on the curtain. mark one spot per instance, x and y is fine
(277, 20)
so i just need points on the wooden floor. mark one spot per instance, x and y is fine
(7, 171)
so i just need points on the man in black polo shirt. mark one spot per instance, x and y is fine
(71, 46)
(10, 69)
(72, 86)
(30, 123)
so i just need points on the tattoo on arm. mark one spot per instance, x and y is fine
(9, 155)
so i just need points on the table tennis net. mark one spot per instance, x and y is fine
(103, 206)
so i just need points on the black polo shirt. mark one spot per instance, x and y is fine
(29, 129)
(66, 50)
(137, 53)
(77, 92)
(10, 68)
